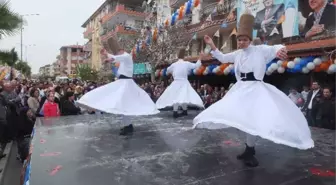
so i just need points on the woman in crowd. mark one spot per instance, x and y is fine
(33, 101)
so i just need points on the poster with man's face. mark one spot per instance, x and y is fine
(317, 18)
(274, 19)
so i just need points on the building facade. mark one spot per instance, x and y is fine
(122, 19)
(45, 70)
(69, 58)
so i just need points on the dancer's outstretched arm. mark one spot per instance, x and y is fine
(223, 58)
(198, 63)
(119, 58)
(115, 58)
(271, 52)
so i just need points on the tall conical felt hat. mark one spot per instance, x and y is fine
(181, 53)
(114, 45)
(245, 26)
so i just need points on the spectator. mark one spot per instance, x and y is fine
(26, 125)
(295, 97)
(325, 110)
(313, 98)
(3, 126)
(69, 107)
(51, 108)
(304, 93)
(33, 101)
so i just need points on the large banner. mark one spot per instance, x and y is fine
(317, 18)
(274, 19)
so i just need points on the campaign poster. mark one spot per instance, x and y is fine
(274, 19)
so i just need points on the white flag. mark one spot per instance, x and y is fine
(207, 49)
(209, 18)
(275, 31)
(217, 34)
(224, 45)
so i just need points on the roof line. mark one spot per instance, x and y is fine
(95, 13)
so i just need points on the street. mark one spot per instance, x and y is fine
(12, 172)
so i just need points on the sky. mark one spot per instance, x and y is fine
(58, 24)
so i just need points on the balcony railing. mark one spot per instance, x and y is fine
(208, 9)
(218, 9)
(119, 29)
(120, 8)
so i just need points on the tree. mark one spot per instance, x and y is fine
(163, 49)
(23, 67)
(10, 22)
(9, 57)
(85, 72)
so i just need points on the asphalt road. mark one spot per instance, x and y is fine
(12, 173)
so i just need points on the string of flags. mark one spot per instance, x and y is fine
(151, 35)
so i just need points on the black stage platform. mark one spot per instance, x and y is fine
(87, 150)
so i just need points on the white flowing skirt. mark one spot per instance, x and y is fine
(259, 109)
(123, 96)
(179, 92)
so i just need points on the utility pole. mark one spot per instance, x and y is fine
(21, 33)
(21, 43)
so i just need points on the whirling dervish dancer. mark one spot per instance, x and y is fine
(180, 92)
(251, 105)
(122, 96)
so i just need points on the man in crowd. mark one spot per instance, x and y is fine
(309, 108)
(325, 110)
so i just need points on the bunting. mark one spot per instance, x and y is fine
(209, 18)
(234, 32)
(224, 45)
(217, 34)
(224, 24)
(194, 36)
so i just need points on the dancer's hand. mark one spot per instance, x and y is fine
(104, 55)
(208, 40)
(282, 54)
(103, 52)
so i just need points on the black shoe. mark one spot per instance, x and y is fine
(130, 128)
(123, 131)
(249, 151)
(251, 161)
(126, 130)
(175, 114)
(184, 113)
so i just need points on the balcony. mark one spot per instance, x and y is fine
(208, 9)
(208, 27)
(88, 33)
(123, 9)
(217, 9)
(119, 29)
